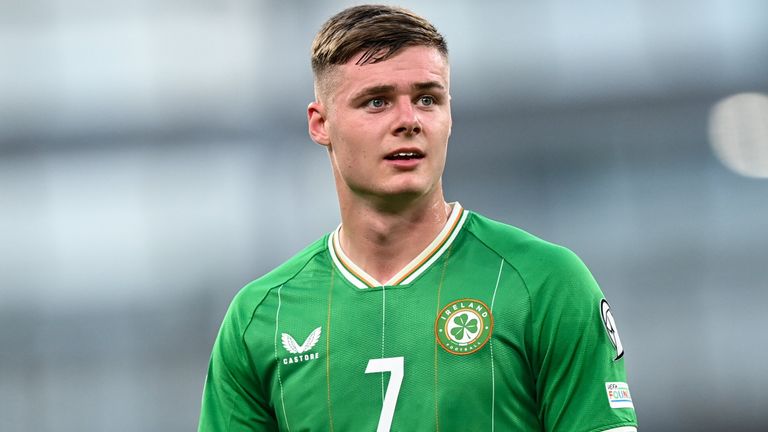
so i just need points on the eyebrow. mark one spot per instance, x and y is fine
(383, 89)
(374, 90)
(429, 85)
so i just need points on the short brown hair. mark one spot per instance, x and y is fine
(377, 31)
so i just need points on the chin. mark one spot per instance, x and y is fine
(409, 191)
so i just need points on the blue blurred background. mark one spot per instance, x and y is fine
(154, 159)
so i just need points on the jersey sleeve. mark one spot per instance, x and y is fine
(233, 398)
(580, 376)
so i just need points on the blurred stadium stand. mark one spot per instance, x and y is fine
(154, 158)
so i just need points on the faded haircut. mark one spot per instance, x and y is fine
(374, 32)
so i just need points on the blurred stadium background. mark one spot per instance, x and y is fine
(154, 158)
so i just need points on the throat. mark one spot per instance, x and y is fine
(385, 252)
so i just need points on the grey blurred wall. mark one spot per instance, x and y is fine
(154, 159)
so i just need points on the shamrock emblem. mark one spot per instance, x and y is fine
(463, 324)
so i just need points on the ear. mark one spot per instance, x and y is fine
(316, 117)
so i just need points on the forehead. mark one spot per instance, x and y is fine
(411, 65)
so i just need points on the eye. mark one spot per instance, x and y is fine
(376, 103)
(427, 100)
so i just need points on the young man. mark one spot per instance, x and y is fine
(415, 314)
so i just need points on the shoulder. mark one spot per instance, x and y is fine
(252, 294)
(521, 249)
(546, 269)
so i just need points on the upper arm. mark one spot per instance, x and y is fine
(233, 398)
(581, 385)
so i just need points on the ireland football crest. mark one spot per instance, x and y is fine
(464, 326)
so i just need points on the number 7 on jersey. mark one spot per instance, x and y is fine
(395, 366)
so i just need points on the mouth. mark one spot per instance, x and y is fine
(404, 155)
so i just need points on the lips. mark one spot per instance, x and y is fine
(404, 155)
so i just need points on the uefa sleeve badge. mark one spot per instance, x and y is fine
(610, 327)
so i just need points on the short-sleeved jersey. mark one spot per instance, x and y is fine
(489, 328)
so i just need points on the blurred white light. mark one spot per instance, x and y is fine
(738, 131)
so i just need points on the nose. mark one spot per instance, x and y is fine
(407, 122)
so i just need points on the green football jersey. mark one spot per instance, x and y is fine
(489, 328)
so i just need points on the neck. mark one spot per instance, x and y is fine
(382, 239)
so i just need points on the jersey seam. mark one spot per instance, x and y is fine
(529, 333)
(256, 306)
(233, 399)
(519, 274)
(531, 320)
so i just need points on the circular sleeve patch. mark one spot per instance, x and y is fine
(610, 328)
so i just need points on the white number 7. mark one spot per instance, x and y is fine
(395, 366)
